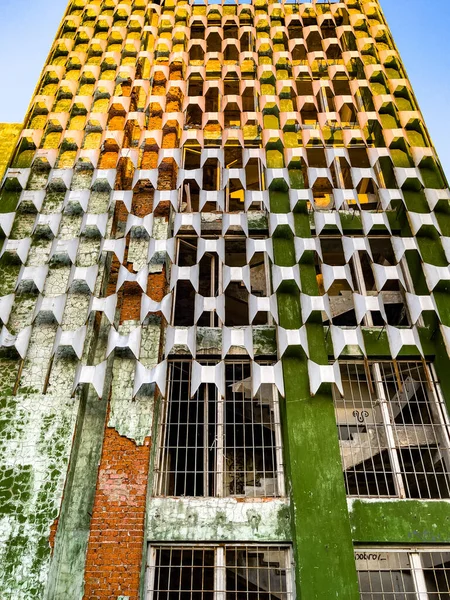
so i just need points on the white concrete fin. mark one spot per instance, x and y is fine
(403, 337)
(18, 341)
(151, 306)
(141, 277)
(292, 337)
(36, 275)
(310, 304)
(117, 247)
(105, 305)
(332, 273)
(84, 275)
(181, 336)
(70, 339)
(346, 337)
(209, 304)
(272, 374)
(321, 374)
(191, 274)
(156, 375)
(54, 305)
(283, 275)
(93, 375)
(237, 337)
(214, 374)
(236, 274)
(130, 341)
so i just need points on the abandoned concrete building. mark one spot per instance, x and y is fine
(225, 314)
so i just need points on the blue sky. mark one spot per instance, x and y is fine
(419, 28)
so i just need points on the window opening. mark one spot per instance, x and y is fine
(212, 100)
(184, 301)
(362, 276)
(231, 572)
(393, 431)
(195, 87)
(403, 574)
(211, 175)
(219, 446)
(254, 175)
(236, 294)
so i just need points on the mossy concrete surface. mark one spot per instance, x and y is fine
(400, 521)
(9, 133)
(35, 444)
(217, 519)
(320, 526)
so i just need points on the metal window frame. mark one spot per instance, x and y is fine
(183, 238)
(161, 456)
(220, 564)
(440, 423)
(417, 569)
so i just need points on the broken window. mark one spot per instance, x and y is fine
(211, 175)
(219, 446)
(358, 274)
(194, 116)
(245, 277)
(236, 293)
(338, 286)
(195, 87)
(190, 196)
(213, 572)
(392, 292)
(208, 284)
(212, 99)
(393, 431)
(402, 574)
(254, 174)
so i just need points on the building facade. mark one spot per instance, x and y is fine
(225, 321)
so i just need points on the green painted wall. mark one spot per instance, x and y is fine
(400, 521)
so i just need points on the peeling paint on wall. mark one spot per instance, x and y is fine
(215, 519)
(35, 445)
(133, 417)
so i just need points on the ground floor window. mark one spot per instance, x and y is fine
(219, 572)
(402, 574)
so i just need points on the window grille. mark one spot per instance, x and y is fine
(403, 574)
(393, 431)
(211, 284)
(214, 446)
(195, 572)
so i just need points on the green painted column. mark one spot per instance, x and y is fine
(323, 546)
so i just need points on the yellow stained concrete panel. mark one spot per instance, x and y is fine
(9, 133)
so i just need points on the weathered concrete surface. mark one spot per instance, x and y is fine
(35, 445)
(214, 519)
(9, 133)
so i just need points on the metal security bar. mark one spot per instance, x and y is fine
(402, 574)
(214, 446)
(225, 572)
(393, 431)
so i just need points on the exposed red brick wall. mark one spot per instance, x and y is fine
(114, 555)
(53, 530)
(116, 541)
